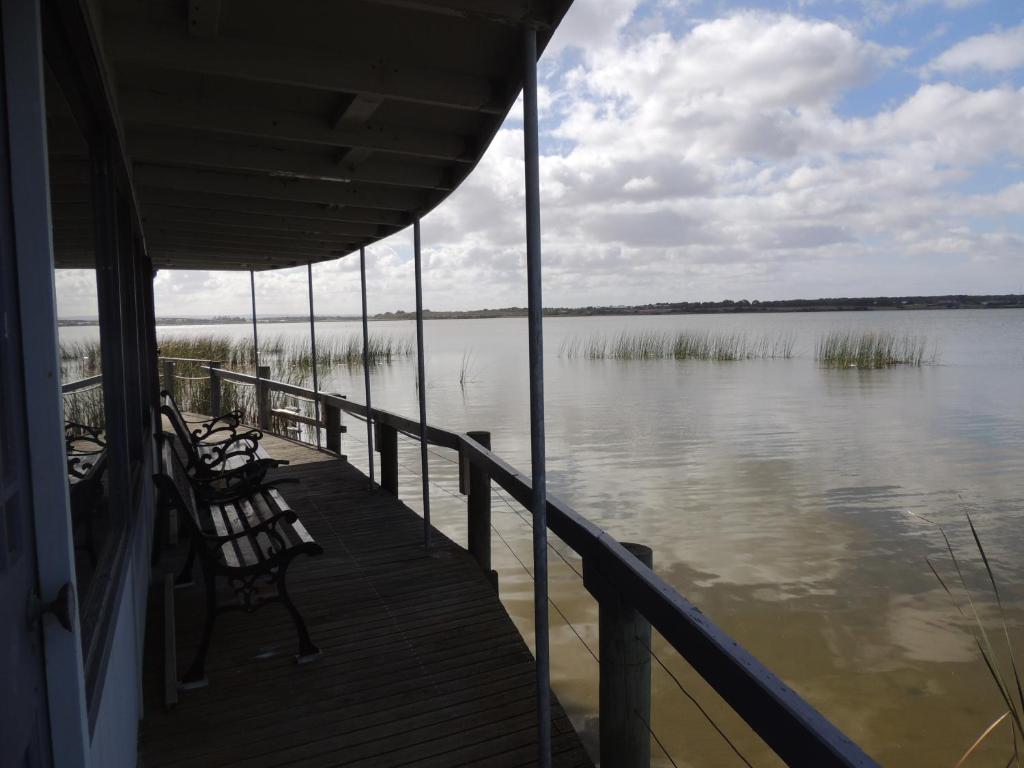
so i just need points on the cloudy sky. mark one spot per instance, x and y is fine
(699, 150)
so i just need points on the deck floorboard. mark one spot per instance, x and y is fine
(421, 663)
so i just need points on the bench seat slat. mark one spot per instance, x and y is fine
(278, 499)
(267, 511)
(301, 532)
(232, 557)
(265, 544)
(236, 518)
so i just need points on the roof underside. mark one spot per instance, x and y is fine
(265, 134)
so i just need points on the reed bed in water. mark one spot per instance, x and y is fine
(289, 352)
(873, 349)
(678, 345)
(290, 361)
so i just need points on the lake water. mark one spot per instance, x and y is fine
(776, 495)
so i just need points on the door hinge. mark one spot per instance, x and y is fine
(62, 607)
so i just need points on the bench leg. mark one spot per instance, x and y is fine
(196, 675)
(307, 651)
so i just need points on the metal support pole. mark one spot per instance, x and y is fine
(312, 343)
(538, 496)
(366, 367)
(424, 472)
(255, 336)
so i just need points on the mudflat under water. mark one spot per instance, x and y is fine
(777, 495)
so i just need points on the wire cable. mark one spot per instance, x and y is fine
(656, 739)
(695, 703)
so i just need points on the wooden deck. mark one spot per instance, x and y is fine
(421, 664)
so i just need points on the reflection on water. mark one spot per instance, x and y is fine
(776, 497)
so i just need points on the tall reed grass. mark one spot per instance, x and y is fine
(1005, 674)
(290, 361)
(288, 351)
(873, 349)
(678, 345)
(85, 406)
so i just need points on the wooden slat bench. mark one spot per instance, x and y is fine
(248, 541)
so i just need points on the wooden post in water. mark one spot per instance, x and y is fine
(215, 398)
(169, 376)
(332, 424)
(387, 445)
(478, 508)
(263, 395)
(625, 684)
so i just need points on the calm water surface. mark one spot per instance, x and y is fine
(776, 495)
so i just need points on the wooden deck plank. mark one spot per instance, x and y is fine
(421, 663)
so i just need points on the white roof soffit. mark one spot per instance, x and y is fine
(265, 134)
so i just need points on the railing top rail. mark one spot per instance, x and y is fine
(435, 435)
(224, 373)
(86, 383)
(200, 360)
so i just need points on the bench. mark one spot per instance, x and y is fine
(86, 467)
(223, 467)
(249, 542)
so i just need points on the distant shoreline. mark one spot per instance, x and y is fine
(871, 304)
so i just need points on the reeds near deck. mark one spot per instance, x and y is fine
(290, 361)
(280, 350)
(289, 352)
(870, 349)
(678, 345)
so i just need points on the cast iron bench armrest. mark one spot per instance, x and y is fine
(234, 416)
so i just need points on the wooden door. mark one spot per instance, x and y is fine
(24, 723)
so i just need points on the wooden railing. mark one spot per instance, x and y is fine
(87, 383)
(630, 595)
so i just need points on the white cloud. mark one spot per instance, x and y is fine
(710, 164)
(591, 26)
(1000, 51)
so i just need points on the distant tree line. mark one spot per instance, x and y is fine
(728, 306)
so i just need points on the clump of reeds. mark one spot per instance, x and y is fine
(873, 349)
(678, 345)
(1009, 686)
(288, 351)
(79, 359)
(466, 368)
(85, 406)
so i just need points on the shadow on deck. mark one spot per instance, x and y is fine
(421, 663)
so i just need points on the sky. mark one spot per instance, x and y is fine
(696, 150)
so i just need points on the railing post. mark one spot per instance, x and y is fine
(215, 400)
(332, 424)
(478, 508)
(263, 396)
(625, 677)
(387, 445)
(169, 376)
